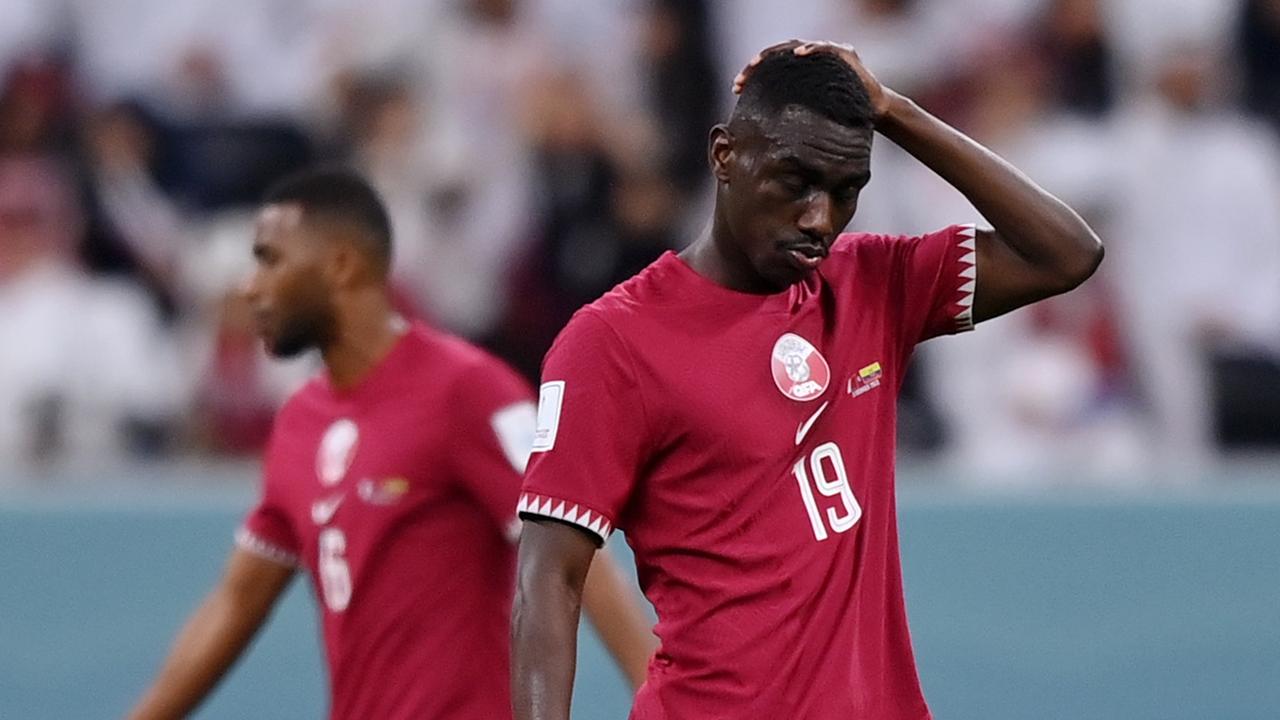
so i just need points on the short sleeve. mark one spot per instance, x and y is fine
(591, 430)
(493, 432)
(936, 275)
(267, 531)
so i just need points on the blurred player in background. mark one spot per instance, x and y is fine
(733, 409)
(391, 478)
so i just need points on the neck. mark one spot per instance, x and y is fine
(713, 256)
(367, 330)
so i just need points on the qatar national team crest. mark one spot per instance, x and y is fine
(337, 450)
(799, 370)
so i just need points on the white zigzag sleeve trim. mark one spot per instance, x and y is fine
(968, 266)
(250, 542)
(594, 522)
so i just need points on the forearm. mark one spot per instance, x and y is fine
(1035, 224)
(619, 620)
(205, 648)
(544, 632)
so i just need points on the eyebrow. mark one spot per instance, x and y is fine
(857, 178)
(790, 160)
(792, 163)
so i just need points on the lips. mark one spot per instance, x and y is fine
(805, 255)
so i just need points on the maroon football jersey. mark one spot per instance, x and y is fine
(398, 498)
(745, 444)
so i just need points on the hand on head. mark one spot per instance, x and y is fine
(880, 95)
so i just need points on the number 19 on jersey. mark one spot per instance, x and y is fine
(826, 468)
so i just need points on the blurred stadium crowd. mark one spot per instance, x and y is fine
(535, 152)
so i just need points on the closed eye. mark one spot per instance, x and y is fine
(264, 255)
(793, 184)
(849, 193)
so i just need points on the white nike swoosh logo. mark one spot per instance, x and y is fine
(322, 510)
(804, 426)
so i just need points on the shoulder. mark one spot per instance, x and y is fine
(464, 368)
(867, 255)
(443, 350)
(865, 246)
(655, 290)
(595, 327)
(878, 249)
(592, 349)
(660, 285)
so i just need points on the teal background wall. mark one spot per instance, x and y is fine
(1152, 604)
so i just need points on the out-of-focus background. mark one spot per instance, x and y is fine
(1092, 486)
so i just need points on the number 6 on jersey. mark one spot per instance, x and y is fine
(335, 574)
(823, 457)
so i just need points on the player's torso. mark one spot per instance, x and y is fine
(354, 476)
(753, 413)
(763, 521)
(405, 566)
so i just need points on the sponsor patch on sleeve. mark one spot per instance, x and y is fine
(514, 426)
(550, 400)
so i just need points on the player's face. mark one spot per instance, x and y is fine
(289, 291)
(791, 185)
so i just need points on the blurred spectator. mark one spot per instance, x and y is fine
(746, 26)
(29, 27)
(912, 44)
(212, 164)
(1039, 388)
(1196, 251)
(1074, 42)
(684, 86)
(1144, 30)
(1258, 41)
(385, 124)
(87, 372)
(141, 226)
(35, 107)
(231, 90)
(200, 59)
(575, 177)
(535, 152)
(604, 216)
(486, 60)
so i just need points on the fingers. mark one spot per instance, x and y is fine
(776, 47)
(741, 79)
(812, 47)
(799, 47)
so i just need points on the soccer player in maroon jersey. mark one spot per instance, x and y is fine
(732, 408)
(391, 479)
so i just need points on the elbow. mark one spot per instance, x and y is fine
(1082, 264)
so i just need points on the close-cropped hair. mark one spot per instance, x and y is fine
(819, 82)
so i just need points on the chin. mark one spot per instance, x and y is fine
(285, 348)
(784, 275)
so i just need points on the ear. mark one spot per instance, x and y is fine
(344, 264)
(720, 152)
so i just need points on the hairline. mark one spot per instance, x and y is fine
(316, 218)
(757, 128)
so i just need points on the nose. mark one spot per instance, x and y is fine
(248, 288)
(818, 218)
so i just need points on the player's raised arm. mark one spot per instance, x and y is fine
(553, 563)
(1039, 247)
(214, 636)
